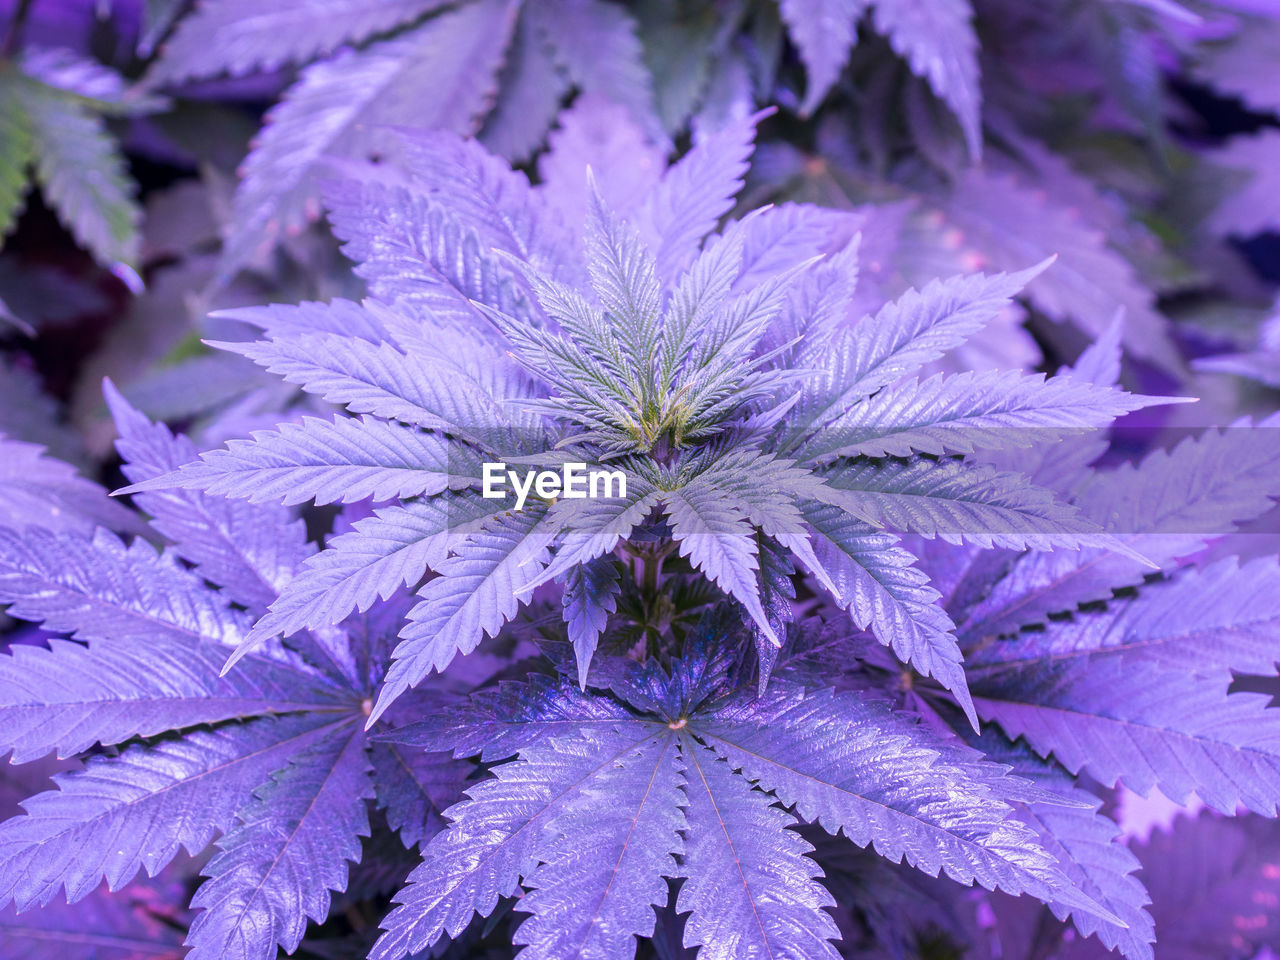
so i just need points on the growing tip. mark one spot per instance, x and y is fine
(1029, 274)
(166, 481)
(377, 710)
(961, 693)
(117, 405)
(1117, 545)
(240, 652)
(129, 277)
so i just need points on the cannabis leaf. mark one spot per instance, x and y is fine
(52, 109)
(502, 59)
(656, 361)
(136, 922)
(936, 39)
(1251, 209)
(668, 775)
(1087, 846)
(39, 491)
(862, 566)
(274, 757)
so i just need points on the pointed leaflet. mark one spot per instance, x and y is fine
(719, 541)
(378, 379)
(779, 237)
(1168, 506)
(1137, 721)
(480, 191)
(340, 106)
(381, 554)
(593, 527)
(1008, 223)
(414, 787)
(749, 889)
(250, 36)
(81, 173)
(532, 90)
(68, 697)
(1063, 465)
(700, 291)
(472, 596)
(1253, 208)
(38, 491)
(675, 692)
(192, 386)
(1212, 622)
(624, 275)
(763, 488)
(591, 372)
(15, 152)
(249, 551)
(817, 307)
(731, 90)
(496, 723)
(777, 590)
(101, 589)
(290, 849)
(824, 32)
(854, 765)
(590, 596)
(605, 860)
(936, 39)
(366, 320)
(1088, 848)
(92, 83)
(692, 196)
(721, 370)
(595, 44)
(1101, 361)
(1262, 364)
(991, 410)
(495, 834)
(329, 461)
(597, 133)
(413, 250)
(901, 337)
(881, 587)
(1244, 65)
(137, 809)
(960, 502)
(680, 47)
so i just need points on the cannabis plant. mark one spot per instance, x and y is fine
(754, 427)
(496, 67)
(53, 106)
(1064, 103)
(737, 640)
(725, 504)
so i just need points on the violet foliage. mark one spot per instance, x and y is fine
(675, 366)
(888, 613)
(493, 330)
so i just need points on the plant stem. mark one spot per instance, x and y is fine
(652, 563)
